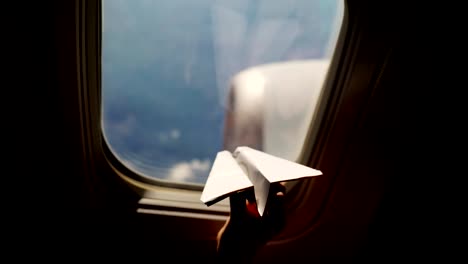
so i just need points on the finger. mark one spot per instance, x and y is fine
(238, 202)
(278, 188)
(276, 198)
(252, 209)
(275, 217)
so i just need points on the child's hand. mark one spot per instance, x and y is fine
(246, 231)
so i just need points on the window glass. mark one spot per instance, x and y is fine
(168, 67)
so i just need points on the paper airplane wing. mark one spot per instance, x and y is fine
(264, 169)
(225, 178)
(276, 169)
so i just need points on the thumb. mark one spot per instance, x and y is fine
(252, 209)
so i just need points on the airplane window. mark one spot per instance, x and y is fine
(168, 67)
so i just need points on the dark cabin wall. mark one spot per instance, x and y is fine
(49, 207)
(414, 220)
(39, 158)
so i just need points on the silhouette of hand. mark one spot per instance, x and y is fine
(246, 231)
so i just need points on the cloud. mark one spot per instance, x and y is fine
(189, 171)
(172, 135)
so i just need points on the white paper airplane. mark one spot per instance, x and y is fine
(246, 168)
